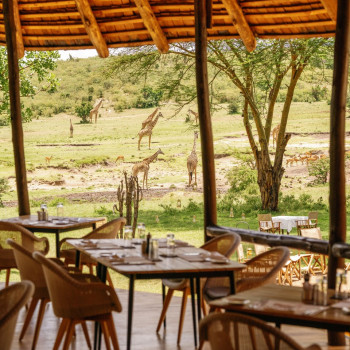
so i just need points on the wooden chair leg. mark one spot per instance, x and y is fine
(185, 295)
(7, 281)
(60, 333)
(165, 307)
(105, 332)
(29, 316)
(41, 313)
(86, 334)
(113, 332)
(109, 279)
(69, 334)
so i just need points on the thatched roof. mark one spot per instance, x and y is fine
(83, 24)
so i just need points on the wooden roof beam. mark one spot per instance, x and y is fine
(92, 28)
(238, 19)
(152, 25)
(331, 7)
(19, 37)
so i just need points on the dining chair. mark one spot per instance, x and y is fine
(260, 270)
(228, 331)
(224, 244)
(109, 230)
(20, 235)
(12, 299)
(78, 299)
(313, 219)
(267, 225)
(314, 261)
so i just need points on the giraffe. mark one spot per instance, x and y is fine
(149, 118)
(71, 128)
(147, 131)
(275, 132)
(143, 166)
(196, 116)
(192, 162)
(94, 110)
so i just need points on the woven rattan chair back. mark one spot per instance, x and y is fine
(12, 299)
(22, 236)
(231, 331)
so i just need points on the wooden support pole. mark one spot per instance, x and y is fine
(208, 165)
(16, 117)
(337, 202)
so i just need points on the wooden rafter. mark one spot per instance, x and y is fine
(19, 38)
(152, 25)
(331, 7)
(237, 17)
(92, 27)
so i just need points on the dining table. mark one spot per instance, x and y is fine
(281, 304)
(187, 262)
(55, 225)
(288, 222)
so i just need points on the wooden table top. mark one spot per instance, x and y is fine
(108, 252)
(54, 223)
(283, 303)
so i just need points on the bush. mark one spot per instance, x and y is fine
(149, 98)
(83, 111)
(291, 203)
(4, 187)
(234, 107)
(319, 169)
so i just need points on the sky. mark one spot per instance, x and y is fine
(77, 53)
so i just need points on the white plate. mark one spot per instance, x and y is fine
(217, 260)
(237, 301)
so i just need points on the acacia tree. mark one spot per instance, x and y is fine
(259, 76)
(35, 75)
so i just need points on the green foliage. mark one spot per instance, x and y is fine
(4, 187)
(149, 97)
(319, 169)
(319, 93)
(242, 178)
(87, 161)
(83, 111)
(234, 107)
(57, 200)
(35, 76)
(289, 203)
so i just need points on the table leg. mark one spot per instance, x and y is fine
(163, 297)
(193, 302)
(101, 274)
(77, 259)
(130, 310)
(199, 304)
(232, 283)
(57, 234)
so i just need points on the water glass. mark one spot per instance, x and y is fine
(60, 211)
(141, 230)
(127, 235)
(341, 284)
(153, 249)
(170, 244)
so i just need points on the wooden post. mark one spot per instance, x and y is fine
(209, 183)
(16, 117)
(337, 203)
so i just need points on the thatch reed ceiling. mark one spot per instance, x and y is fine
(103, 24)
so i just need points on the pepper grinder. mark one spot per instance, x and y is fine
(148, 241)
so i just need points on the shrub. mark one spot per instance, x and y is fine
(234, 107)
(4, 187)
(149, 98)
(83, 111)
(319, 169)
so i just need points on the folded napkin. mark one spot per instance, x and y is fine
(131, 260)
(193, 257)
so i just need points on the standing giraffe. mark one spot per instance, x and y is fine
(143, 166)
(149, 118)
(196, 116)
(147, 131)
(94, 110)
(275, 132)
(71, 128)
(192, 162)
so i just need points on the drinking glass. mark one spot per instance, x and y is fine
(127, 235)
(341, 284)
(153, 249)
(60, 210)
(170, 244)
(141, 230)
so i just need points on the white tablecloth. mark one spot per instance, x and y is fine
(288, 222)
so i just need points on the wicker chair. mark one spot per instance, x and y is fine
(77, 300)
(230, 331)
(20, 235)
(12, 299)
(260, 270)
(225, 244)
(109, 230)
(267, 225)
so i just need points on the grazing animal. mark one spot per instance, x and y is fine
(275, 132)
(143, 166)
(147, 131)
(192, 162)
(71, 128)
(120, 158)
(196, 115)
(312, 158)
(47, 159)
(149, 118)
(94, 110)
